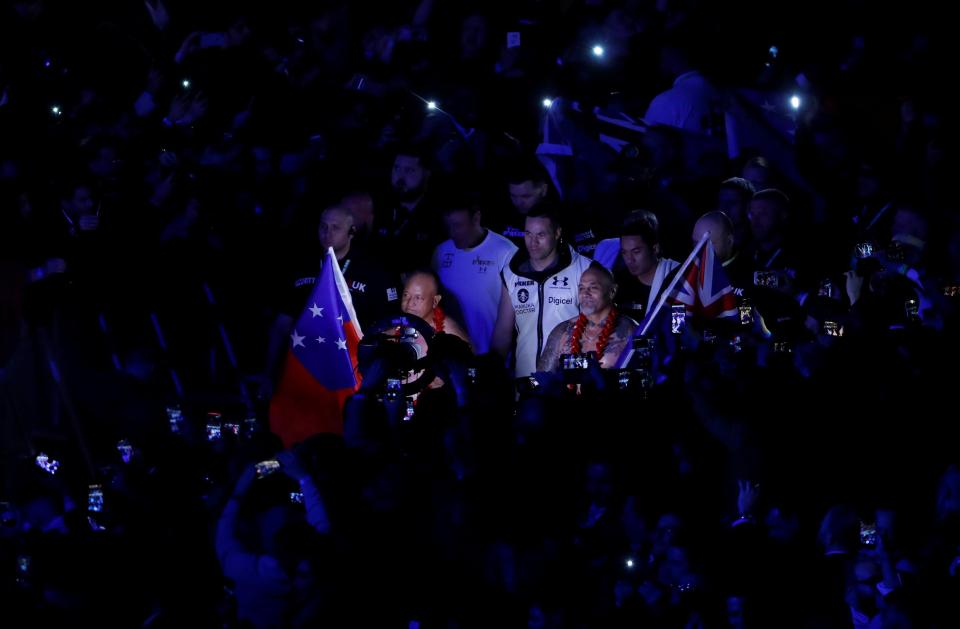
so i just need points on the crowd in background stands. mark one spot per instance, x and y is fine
(165, 168)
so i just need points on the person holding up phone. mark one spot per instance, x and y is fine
(269, 583)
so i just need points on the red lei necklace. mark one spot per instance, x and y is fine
(580, 326)
(438, 318)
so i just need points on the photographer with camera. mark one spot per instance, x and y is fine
(402, 359)
(421, 297)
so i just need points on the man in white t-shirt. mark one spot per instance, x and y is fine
(469, 266)
(692, 103)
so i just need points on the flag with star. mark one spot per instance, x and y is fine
(320, 371)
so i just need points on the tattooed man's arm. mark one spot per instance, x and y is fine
(558, 340)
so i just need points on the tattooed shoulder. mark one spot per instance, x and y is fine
(621, 335)
(557, 341)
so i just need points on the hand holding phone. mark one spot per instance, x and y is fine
(213, 432)
(95, 498)
(394, 389)
(175, 418)
(266, 468)
(575, 366)
(125, 448)
(48, 465)
(766, 279)
(678, 318)
(527, 385)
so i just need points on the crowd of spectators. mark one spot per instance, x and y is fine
(172, 174)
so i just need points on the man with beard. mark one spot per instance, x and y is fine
(598, 328)
(412, 227)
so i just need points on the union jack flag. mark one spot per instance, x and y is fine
(705, 289)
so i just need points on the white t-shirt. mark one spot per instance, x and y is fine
(472, 277)
(691, 104)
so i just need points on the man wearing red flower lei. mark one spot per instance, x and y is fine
(599, 327)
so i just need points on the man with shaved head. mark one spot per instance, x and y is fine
(337, 228)
(722, 236)
(598, 328)
(421, 297)
(720, 228)
(374, 291)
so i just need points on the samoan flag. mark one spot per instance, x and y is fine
(320, 371)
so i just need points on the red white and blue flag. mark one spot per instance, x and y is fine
(705, 289)
(701, 285)
(320, 371)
